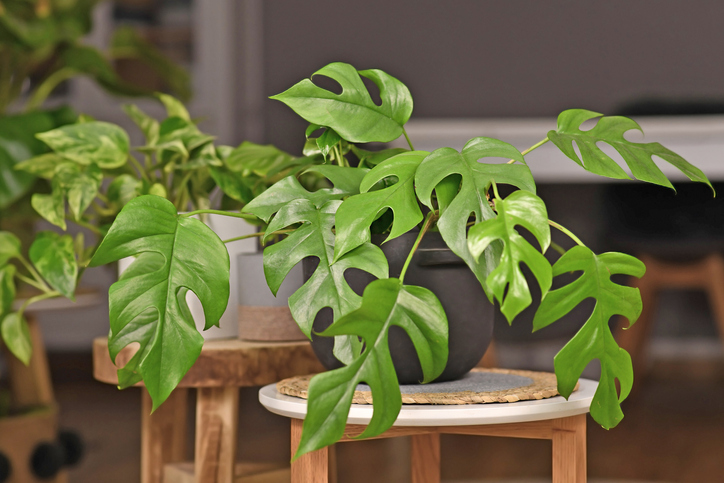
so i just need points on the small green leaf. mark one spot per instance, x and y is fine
(16, 335)
(54, 257)
(256, 158)
(104, 144)
(123, 189)
(174, 107)
(148, 125)
(352, 114)
(327, 141)
(148, 305)
(594, 340)
(611, 130)
(51, 207)
(80, 184)
(507, 281)
(385, 303)
(327, 286)
(7, 289)
(232, 184)
(42, 166)
(471, 196)
(9, 247)
(358, 212)
(157, 189)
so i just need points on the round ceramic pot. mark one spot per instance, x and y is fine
(437, 268)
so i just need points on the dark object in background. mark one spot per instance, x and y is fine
(5, 468)
(668, 107)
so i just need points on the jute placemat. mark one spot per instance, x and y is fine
(477, 387)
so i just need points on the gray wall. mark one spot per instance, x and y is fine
(504, 58)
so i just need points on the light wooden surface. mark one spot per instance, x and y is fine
(225, 362)
(163, 434)
(244, 473)
(706, 274)
(310, 467)
(217, 410)
(19, 436)
(425, 458)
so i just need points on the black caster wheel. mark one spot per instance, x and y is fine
(5, 468)
(72, 445)
(46, 460)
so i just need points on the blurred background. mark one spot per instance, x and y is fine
(502, 69)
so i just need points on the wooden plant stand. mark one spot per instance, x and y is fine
(222, 368)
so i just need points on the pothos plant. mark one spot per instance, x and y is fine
(93, 173)
(395, 191)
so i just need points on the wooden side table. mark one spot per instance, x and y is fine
(559, 420)
(222, 368)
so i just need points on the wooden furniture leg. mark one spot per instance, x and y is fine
(163, 434)
(217, 414)
(31, 384)
(311, 467)
(425, 458)
(715, 291)
(569, 449)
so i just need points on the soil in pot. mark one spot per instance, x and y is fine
(437, 268)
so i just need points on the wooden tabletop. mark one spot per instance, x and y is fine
(224, 363)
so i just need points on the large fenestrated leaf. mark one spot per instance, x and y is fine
(352, 114)
(611, 130)
(594, 340)
(104, 144)
(148, 305)
(471, 196)
(385, 303)
(346, 182)
(54, 257)
(507, 281)
(327, 286)
(358, 212)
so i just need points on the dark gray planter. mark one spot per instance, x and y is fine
(435, 267)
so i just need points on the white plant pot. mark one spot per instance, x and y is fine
(225, 227)
(263, 317)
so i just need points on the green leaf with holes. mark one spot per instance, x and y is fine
(385, 303)
(358, 212)
(148, 304)
(611, 130)
(104, 144)
(507, 282)
(469, 195)
(54, 257)
(352, 114)
(327, 286)
(594, 340)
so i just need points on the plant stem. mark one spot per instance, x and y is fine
(47, 87)
(426, 224)
(138, 167)
(245, 216)
(29, 281)
(47, 295)
(536, 145)
(258, 234)
(566, 231)
(409, 143)
(87, 225)
(34, 273)
(555, 246)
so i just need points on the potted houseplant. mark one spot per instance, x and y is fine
(399, 193)
(93, 173)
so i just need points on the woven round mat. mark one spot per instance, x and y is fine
(479, 386)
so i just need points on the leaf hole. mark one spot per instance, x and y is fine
(589, 124)
(373, 90)
(611, 152)
(358, 279)
(328, 83)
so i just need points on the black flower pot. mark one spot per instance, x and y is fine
(437, 268)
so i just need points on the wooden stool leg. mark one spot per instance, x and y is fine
(311, 467)
(715, 291)
(163, 434)
(425, 458)
(217, 414)
(569, 449)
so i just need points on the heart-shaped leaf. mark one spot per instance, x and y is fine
(471, 194)
(80, 184)
(327, 286)
(104, 144)
(594, 340)
(16, 335)
(358, 212)
(385, 303)
(54, 257)
(611, 130)
(148, 125)
(52, 206)
(346, 182)
(147, 304)
(507, 281)
(9, 247)
(256, 158)
(353, 114)
(43, 166)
